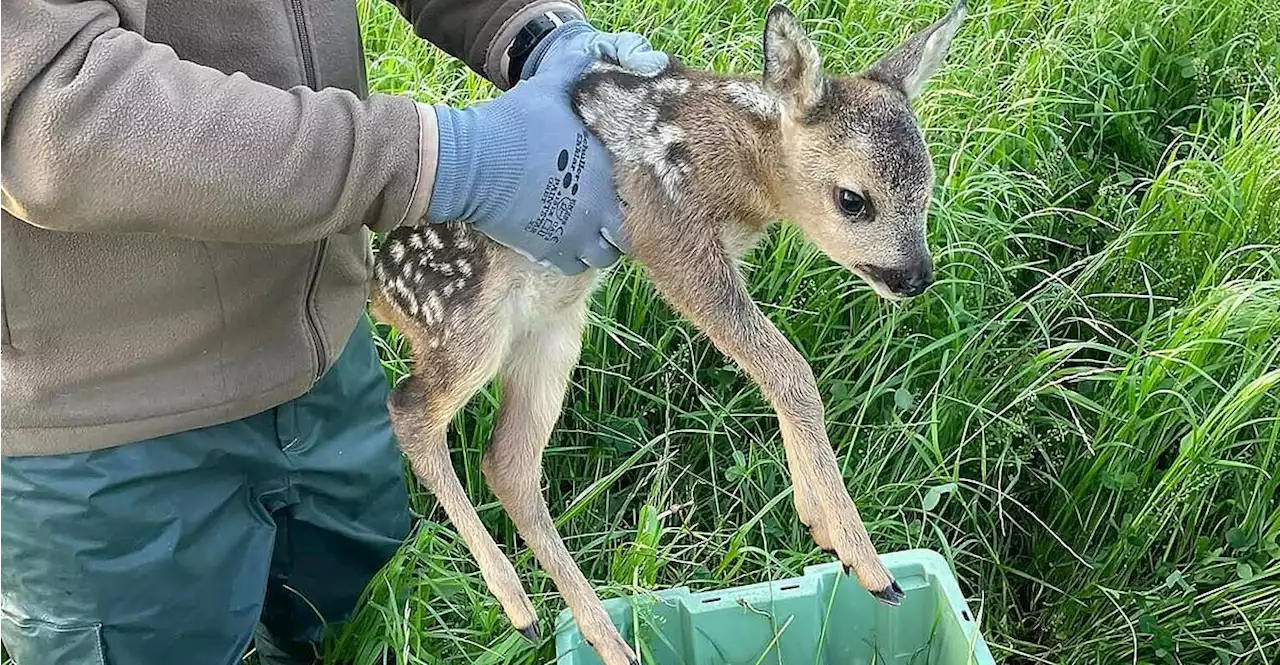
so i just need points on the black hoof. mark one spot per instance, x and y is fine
(530, 632)
(890, 595)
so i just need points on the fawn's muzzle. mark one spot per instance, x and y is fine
(906, 282)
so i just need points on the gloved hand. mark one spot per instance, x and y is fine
(524, 170)
(561, 47)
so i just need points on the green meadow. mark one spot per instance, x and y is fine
(1081, 415)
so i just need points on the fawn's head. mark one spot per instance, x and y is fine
(856, 175)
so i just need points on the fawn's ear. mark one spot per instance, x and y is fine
(910, 65)
(792, 68)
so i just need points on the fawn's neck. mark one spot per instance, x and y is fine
(753, 143)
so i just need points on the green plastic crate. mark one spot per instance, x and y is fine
(821, 618)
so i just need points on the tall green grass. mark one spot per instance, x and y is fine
(1091, 386)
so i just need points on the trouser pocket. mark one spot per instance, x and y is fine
(36, 642)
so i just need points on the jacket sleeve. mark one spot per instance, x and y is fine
(104, 131)
(478, 32)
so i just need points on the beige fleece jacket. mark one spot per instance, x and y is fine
(187, 190)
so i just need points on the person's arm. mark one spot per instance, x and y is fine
(479, 32)
(104, 131)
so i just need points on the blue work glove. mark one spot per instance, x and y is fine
(562, 46)
(524, 170)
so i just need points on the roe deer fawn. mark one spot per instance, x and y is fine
(704, 162)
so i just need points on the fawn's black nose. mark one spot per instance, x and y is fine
(916, 281)
(906, 282)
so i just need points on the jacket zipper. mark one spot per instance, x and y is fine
(4, 313)
(313, 276)
(304, 42)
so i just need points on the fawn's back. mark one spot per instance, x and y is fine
(701, 135)
(698, 153)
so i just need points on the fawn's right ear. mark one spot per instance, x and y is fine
(792, 67)
(910, 65)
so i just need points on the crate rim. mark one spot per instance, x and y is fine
(930, 560)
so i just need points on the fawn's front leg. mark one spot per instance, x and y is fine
(534, 379)
(695, 274)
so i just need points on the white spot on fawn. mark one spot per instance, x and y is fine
(415, 241)
(752, 98)
(433, 311)
(454, 286)
(656, 148)
(397, 251)
(626, 121)
(672, 86)
(404, 290)
(432, 238)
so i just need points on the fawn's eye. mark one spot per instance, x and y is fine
(851, 203)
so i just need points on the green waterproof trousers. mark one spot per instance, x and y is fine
(181, 549)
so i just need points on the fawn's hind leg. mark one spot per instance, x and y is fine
(421, 409)
(534, 379)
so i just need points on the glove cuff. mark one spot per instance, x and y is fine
(564, 31)
(481, 156)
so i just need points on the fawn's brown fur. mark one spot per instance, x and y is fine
(705, 163)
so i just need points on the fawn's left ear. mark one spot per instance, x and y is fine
(792, 67)
(913, 62)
